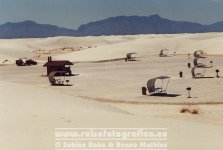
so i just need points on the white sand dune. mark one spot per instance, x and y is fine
(30, 109)
(29, 116)
(112, 47)
(151, 45)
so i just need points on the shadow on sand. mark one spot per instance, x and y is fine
(164, 95)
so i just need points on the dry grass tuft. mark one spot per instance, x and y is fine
(190, 109)
(184, 110)
(194, 111)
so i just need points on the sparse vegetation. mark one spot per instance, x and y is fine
(189, 109)
(184, 110)
(194, 111)
(42, 53)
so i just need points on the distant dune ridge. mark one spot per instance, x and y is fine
(98, 48)
(121, 25)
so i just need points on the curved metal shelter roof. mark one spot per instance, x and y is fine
(151, 83)
(162, 52)
(131, 55)
(198, 64)
(53, 74)
(193, 71)
(200, 73)
(199, 53)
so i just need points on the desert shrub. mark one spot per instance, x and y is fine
(190, 109)
(194, 111)
(184, 110)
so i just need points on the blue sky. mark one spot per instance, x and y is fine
(72, 13)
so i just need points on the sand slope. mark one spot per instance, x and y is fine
(30, 109)
(111, 47)
(28, 120)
